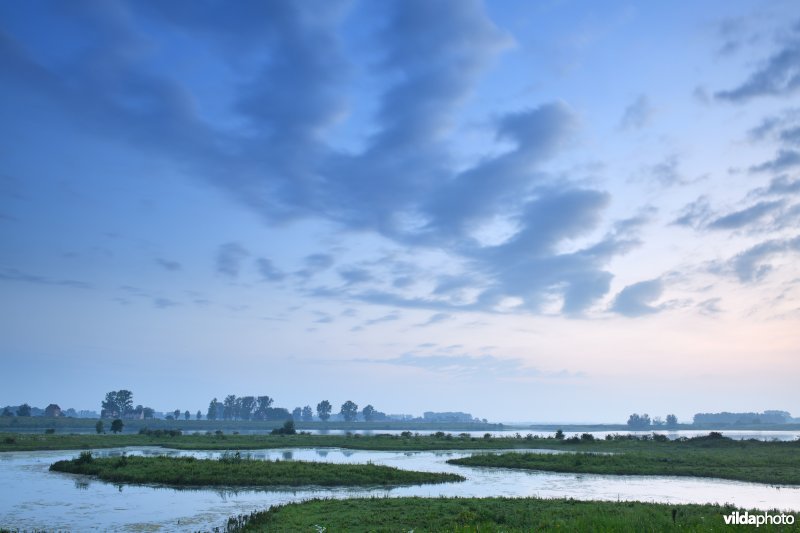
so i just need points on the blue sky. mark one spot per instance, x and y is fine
(526, 210)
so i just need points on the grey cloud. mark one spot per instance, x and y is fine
(391, 317)
(710, 306)
(12, 274)
(352, 276)
(783, 185)
(436, 319)
(750, 265)
(745, 217)
(268, 271)
(694, 214)
(168, 265)
(638, 114)
(314, 264)
(667, 172)
(779, 75)
(469, 365)
(164, 303)
(291, 69)
(230, 257)
(636, 300)
(783, 160)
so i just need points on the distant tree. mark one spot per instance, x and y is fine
(559, 435)
(636, 421)
(117, 425)
(368, 413)
(138, 411)
(176, 414)
(52, 410)
(297, 414)
(109, 407)
(287, 429)
(213, 410)
(99, 427)
(657, 421)
(170, 417)
(199, 415)
(187, 415)
(7, 412)
(324, 410)
(349, 411)
(125, 401)
(148, 413)
(263, 404)
(229, 407)
(24, 410)
(247, 405)
(672, 421)
(308, 414)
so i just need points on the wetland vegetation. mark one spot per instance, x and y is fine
(237, 470)
(489, 514)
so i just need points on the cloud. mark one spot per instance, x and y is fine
(779, 75)
(635, 300)
(390, 317)
(352, 276)
(230, 257)
(268, 271)
(465, 365)
(667, 172)
(314, 264)
(783, 160)
(168, 265)
(694, 214)
(266, 138)
(12, 274)
(782, 185)
(710, 306)
(750, 265)
(164, 303)
(436, 318)
(637, 115)
(745, 217)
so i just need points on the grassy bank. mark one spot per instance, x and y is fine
(489, 514)
(235, 470)
(763, 462)
(30, 442)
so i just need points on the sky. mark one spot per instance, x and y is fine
(531, 211)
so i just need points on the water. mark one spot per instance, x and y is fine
(31, 497)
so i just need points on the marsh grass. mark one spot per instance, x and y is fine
(712, 457)
(235, 469)
(488, 515)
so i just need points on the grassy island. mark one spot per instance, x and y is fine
(235, 470)
(490, 515)
(711, 457)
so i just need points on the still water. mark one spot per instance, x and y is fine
(31, 497)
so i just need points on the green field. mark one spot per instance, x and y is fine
(490, 515)
(764, 462)
(236, 470)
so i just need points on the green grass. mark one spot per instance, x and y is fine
(30, 442)
(763, 462)
(489, 514)
(234, 470)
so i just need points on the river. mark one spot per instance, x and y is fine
(35, 498)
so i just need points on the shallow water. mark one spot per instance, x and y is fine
(33, 497)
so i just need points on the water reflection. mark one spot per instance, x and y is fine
(34, 498)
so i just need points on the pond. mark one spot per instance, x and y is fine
(31, 497)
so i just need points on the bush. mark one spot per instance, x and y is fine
(560, 435)
(288, 429)
(587, 437)
(49, 431)
(85, 458)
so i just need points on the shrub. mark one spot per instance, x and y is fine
(587, 437)
(560, 435)
(85, 458)
(49, 431)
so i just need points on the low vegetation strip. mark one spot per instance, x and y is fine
(235, 470)
(780, 466)
(490, 514)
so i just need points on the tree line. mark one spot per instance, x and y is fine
(637, 421)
